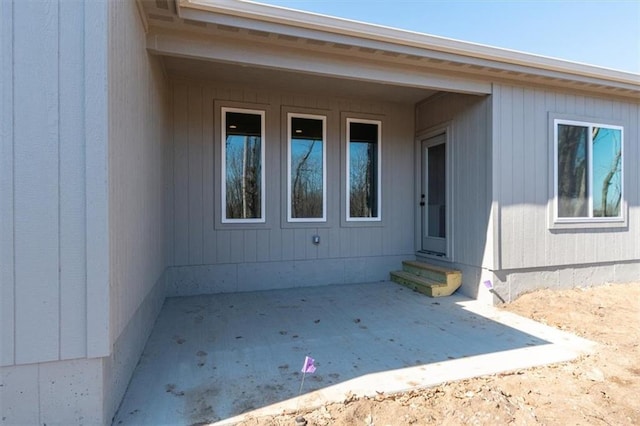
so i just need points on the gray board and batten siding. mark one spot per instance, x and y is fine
(53, 211)
(523, 180)
(85, 123)
(211, 256)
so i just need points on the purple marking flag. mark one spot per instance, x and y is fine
(308, 366)
(488, 284)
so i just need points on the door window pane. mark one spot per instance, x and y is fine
(436, 191)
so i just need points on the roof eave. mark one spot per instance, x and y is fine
(313, 21)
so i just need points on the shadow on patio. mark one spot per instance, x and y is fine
(212, 358)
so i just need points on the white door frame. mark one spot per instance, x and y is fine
(445, 129)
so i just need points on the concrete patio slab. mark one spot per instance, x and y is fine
(219, 358)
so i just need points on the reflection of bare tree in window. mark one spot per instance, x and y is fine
(610, 174)
(363, 180)
(581, 177)
(572, 171)
(243, 177)
(306, 197)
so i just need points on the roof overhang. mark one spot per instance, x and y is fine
(250, 33)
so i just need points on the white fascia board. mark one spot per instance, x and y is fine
(193, 9)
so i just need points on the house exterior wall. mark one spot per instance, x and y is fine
(523, 183)
(85, 120)
(139, 128)
(53, 211)
(51, 198)
(467, 118)
(212, 257)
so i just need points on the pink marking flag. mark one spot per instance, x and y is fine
(488, 284)
(308, 366)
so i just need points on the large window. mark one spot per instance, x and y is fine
(306, 165)
(363, 169)
(588, 171)
(242, 157)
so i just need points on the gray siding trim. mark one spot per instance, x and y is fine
(7, 209)
(36, 168)
(73, 273)
(96, 24)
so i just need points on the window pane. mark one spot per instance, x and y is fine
(607, 171)
(572, 171)
(363, 170)
(437, 196)
(307, 174)
(243, 162)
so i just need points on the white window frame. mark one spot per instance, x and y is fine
(587, 220)
(291, 219)
(223, 165)
(348, 171)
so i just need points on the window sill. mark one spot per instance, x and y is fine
(586, 224)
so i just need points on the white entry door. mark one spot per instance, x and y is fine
(434, 195)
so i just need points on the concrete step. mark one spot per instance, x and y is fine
(420, 284)
(451, 277)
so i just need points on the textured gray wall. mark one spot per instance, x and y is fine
(200, 239)
(523, 173)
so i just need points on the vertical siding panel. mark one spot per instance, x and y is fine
(7, 279)
(237, 247)
(96, 111)
(542, 174)
(36, 182)
(495, 146)
(275, 244)
(223, 246)
(195, 173)
(73, 326)
(323, 248)
(506, 131)
(550, 105)
(208, 179)
(169, 164)
(287, 244)
(333, 242)
(262, 245)
(250, 242)
(529, 208)
(299, 244)
(181, 175)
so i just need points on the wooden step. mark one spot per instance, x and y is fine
(420, 284)
(451, 277)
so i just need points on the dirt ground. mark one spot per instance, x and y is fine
(598, 389)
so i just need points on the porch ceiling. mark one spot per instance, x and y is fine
(289, 81)
(217, 358)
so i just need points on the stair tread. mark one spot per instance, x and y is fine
(418, 279)
(428, 266)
